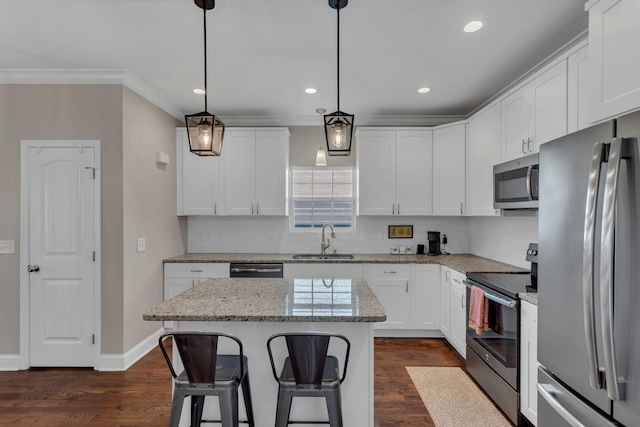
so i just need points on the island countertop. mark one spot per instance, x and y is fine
(273, 300)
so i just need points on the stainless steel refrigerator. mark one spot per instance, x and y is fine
(589, 277)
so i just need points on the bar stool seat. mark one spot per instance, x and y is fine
(309, 371)
(207, 373)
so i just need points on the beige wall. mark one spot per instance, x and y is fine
(91, 112)
(149, 195)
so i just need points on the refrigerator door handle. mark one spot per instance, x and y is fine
(529, 189)
(607, 267)
(547, 391)
(587, 265)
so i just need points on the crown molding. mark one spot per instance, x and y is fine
(131, 81)
(104, 76)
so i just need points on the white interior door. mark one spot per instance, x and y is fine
(62, 221)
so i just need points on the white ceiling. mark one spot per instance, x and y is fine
(263, 54)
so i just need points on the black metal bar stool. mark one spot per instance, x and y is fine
(309, 371)
(207, 373)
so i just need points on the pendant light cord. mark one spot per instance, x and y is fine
(206, 91)
(338, 50)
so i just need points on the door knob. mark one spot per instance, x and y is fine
(32, 268)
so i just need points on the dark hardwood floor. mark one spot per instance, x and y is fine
(141, 396)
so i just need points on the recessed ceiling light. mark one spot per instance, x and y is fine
(473, 26)
(198, 91)
(424, 90)
(310, 90)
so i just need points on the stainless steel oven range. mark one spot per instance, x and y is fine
(493, 352)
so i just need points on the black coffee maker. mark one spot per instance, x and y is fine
(433, 240)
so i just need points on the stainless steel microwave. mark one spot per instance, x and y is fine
(515, 183)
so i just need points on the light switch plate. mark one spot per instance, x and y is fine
(142, 244)
(7, 246)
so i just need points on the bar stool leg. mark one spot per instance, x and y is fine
(334, 407)
(176, 408)
(229, 408)
(283, 408)
(246, 394)
(197, 405)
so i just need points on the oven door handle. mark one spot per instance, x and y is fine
(507, 302)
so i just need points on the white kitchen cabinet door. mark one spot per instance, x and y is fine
(255, 171)
(376, 166)
(483, 152)
(426, 303)
(449, 166)
(535, 114)
(445, 301)
(515, 125)
(271, 169)
(198, 182)
(614, 59)
(548, 106)
(458, 312)
(391, 284)
(414, 165)
(239, 172)
(529, 361)
(578, 90)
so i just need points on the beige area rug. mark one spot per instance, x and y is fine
(453, 400)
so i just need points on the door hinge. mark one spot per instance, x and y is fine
(93, 339)
(94, 256)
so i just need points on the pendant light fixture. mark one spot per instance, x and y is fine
(205, 130)
(338, 126)
(321, 156)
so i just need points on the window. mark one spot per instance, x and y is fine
(322, 196)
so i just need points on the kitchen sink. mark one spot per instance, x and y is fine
(322, 256)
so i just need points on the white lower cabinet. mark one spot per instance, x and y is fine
(529, 361)
(390, 283)
(179, 277)
(458, 312)
(426, 302)
(445, 298)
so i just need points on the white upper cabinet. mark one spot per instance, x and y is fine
(197, 180)
(255, 171)
(535, 114)
(394, 171)
(483, 151)
(614, 58)
(449, 170)
(578, 90)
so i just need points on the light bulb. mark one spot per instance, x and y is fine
(204, 137)
(338, 136)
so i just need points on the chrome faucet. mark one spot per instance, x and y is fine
(325, 244)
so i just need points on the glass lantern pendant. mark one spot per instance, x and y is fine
(205, 130)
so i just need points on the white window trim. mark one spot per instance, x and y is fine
(316, 230)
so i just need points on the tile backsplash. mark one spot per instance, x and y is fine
(501, 238)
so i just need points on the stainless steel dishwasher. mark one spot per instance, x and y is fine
(251, 269)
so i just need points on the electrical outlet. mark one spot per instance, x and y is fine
(142, 244)
(270, 237)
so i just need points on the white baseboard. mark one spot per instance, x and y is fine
(9, 362)
(407, 333)
(122, 362)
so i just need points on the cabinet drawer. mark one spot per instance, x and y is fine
(387, 271)
(457, 278)
(529, 316)
(199, 269)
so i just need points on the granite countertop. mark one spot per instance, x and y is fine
(531, 297)
(464, 263)
(273, 300)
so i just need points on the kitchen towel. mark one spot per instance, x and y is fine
(478, 311)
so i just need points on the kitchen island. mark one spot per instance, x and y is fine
(255, 309)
